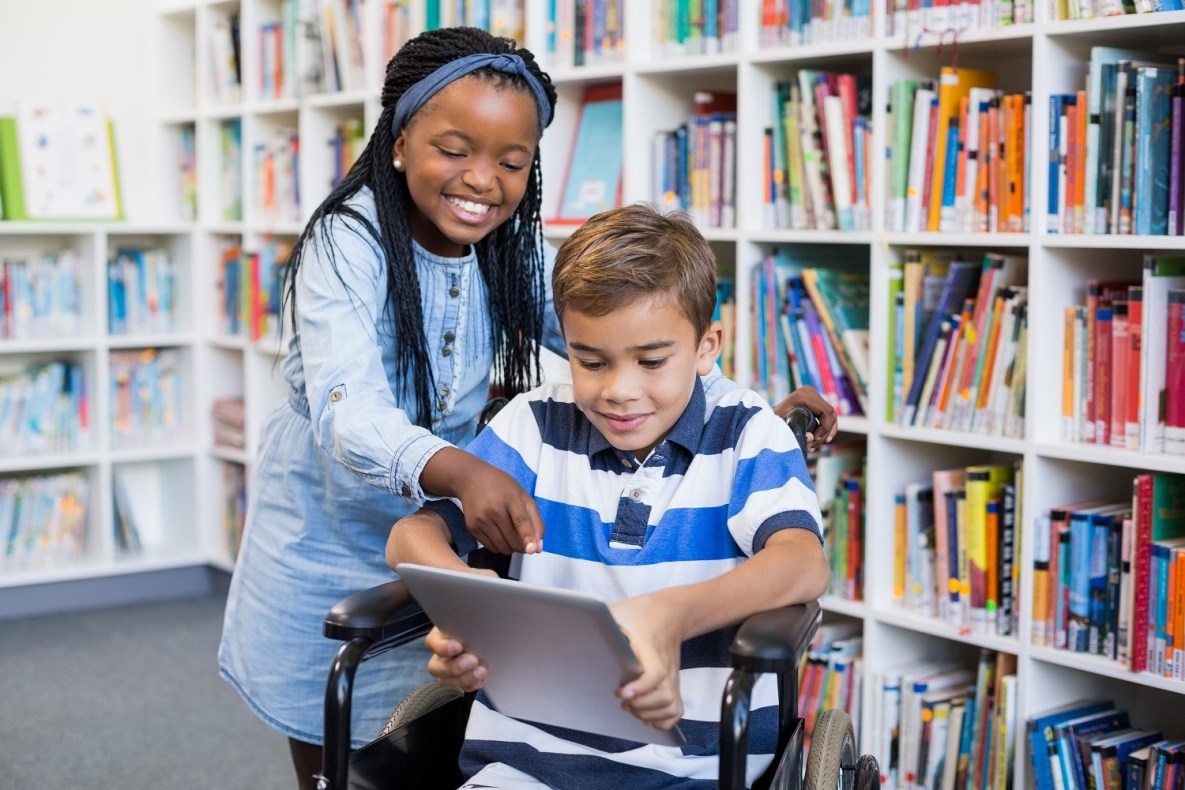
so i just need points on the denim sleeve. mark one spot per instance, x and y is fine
(341, 294)
(553, 338)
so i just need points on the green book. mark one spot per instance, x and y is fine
(901, 102)
(12, 193)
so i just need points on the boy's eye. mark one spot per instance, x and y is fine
(590, 364)
(652, 364)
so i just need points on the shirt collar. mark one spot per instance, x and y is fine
(686, 432)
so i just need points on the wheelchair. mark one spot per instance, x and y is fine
(419, 747)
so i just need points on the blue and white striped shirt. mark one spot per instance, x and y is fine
(727, 476)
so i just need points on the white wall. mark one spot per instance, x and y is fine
(102, 51)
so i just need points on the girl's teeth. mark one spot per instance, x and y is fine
(470, 207)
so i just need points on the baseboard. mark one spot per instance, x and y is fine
(104, 592)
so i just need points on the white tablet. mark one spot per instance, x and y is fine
(554, 656)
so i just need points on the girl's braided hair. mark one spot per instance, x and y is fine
(510, 257)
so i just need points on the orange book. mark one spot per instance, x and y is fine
(1007, 187)
(1068, 432)
(1179, 624)
(1080, 155)
(986, 158)
(991, 585)
(899, 549)
(1070, 199)
(954, 366)
(1017, 162)
(954, 84)
(993, 198)
(983, 389)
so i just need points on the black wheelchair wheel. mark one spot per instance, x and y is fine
(833, 746)
(425, 699)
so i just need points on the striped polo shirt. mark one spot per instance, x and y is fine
(727, 476)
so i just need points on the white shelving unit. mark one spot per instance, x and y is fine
(1043, 57)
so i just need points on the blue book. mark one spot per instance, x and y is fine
(962, 279)
(1081, 570)
(1107, 755)
(1043, 743)
(1072, 734)
(592, 183)
(1057, 103)
(1154, 88)
(950, 172)
(1101, 527)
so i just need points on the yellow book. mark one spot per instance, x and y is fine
(953, 85)
(983, 483)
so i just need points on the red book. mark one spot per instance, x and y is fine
(1120, 348)
(1174, 390)
(1141, 556)
(1102, 376)
(854, 584)
(1135, 329)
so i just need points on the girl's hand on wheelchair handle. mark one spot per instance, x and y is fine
(810, 398)
(451, 665)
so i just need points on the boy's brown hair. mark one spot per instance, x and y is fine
(636, 252)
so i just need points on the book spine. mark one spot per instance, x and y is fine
(1174, 426)
(1135, 329)
(1141, 551)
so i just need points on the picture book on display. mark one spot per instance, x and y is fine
(592, 179)
(57, 162)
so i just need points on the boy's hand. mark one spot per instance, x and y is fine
(809, 397)
(498, 512)
(451, 665)
(655, 638)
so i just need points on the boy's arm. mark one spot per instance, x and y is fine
(790, 569)
(423, 538)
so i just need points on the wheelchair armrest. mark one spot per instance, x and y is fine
(378, 614)
(774, 640)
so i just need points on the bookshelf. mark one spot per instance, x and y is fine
(190, 472)
(1043, 56)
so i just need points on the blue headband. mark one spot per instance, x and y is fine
(418, 95)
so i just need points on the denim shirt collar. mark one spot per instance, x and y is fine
(686, 432)
(432, 259)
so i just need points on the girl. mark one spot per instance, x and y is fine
(416, 276)
(419, 274)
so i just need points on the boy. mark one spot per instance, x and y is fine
(687, 513)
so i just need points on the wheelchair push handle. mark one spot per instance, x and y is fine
(802, 421)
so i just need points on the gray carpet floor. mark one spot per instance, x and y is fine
(128, 698)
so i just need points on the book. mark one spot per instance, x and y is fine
(841, 300)
(1150, 181)
(953, 84)
(59, 163)
(1040, 730)
(1161, 274)
(1074, 735)
(1174, 388)
(592, 178)
(960, 282)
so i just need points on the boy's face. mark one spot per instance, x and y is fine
(467, 156)
(633, 370)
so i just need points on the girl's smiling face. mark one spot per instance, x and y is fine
(467, 155)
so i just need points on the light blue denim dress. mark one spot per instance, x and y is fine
(338, 463)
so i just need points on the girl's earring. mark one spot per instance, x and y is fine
(397, 164)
